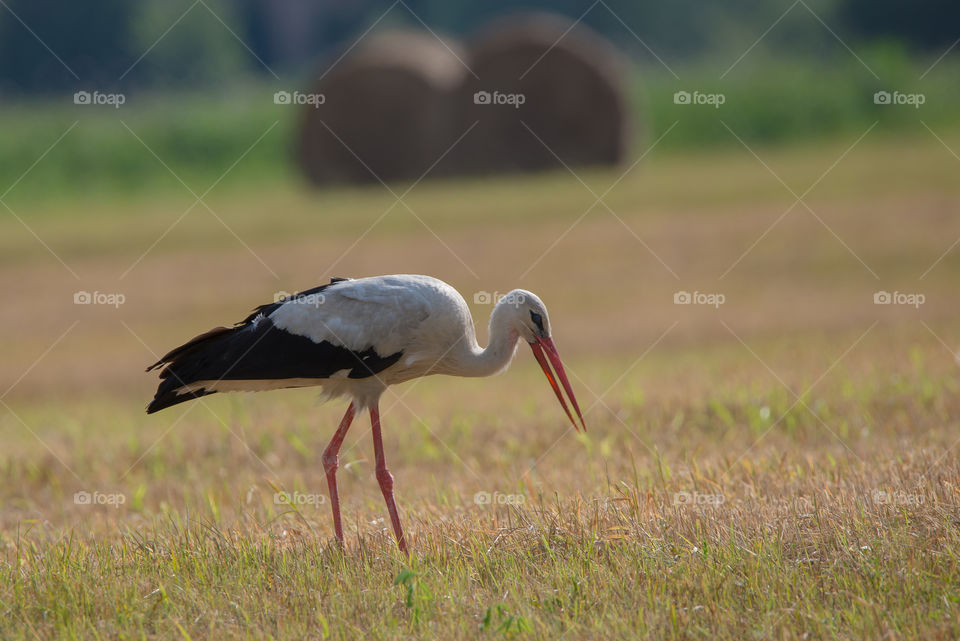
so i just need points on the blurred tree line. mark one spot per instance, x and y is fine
(53, 46)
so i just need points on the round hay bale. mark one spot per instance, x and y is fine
(386, 110)
(537, 76)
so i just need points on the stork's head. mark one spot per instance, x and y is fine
(532, 323)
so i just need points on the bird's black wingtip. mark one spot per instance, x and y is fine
(156, 405)
(168, 398)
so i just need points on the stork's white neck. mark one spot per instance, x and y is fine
(477, 361)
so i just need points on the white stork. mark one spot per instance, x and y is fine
(354, 338)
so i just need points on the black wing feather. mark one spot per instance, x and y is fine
(255, 349)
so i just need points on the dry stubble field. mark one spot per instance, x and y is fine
(779, 466)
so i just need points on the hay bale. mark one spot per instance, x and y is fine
(388, 101)
(571, 88)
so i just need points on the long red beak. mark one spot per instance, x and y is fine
(546, 345)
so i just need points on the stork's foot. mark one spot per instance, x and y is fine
(385, 479)
(330, 464)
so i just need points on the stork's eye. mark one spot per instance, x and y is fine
(537, 320)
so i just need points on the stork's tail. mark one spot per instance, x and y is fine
(197, 360)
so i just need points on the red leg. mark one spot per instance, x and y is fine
(385, 478)
(330, 462)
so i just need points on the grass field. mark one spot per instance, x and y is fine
(783, 465)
